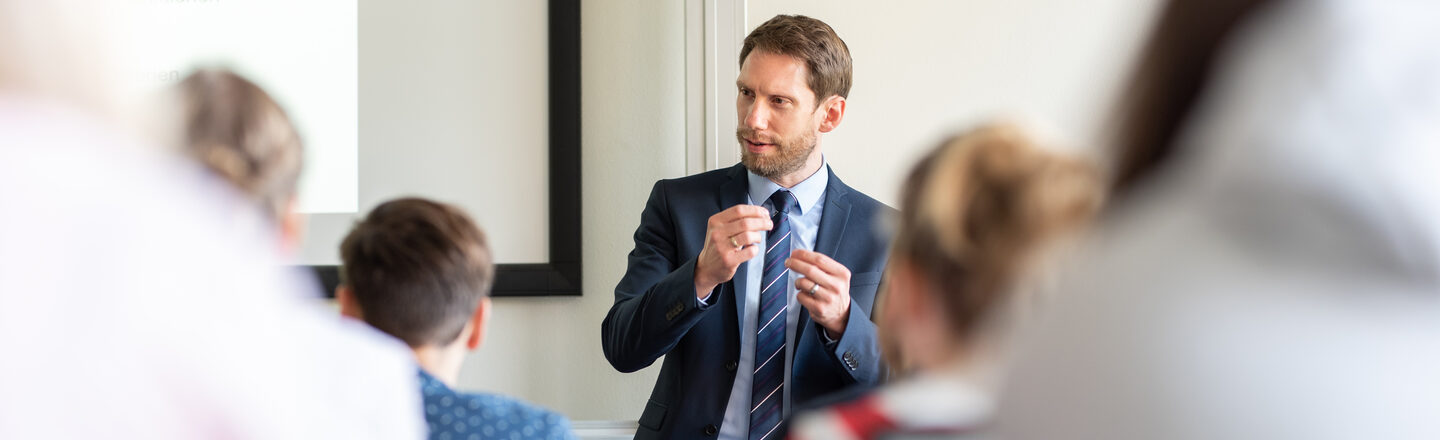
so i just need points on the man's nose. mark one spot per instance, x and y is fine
(755, 118)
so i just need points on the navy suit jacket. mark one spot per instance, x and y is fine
(655, 312)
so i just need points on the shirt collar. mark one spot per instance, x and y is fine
(431, 383)
(807, 192)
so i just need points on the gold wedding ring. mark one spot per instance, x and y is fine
(734, 243)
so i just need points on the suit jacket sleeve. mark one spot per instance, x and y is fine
(858, 350)
(655, 301)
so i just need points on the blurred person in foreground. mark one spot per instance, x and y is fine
(1273, 268)
(128, 288)
(243, 136)
(421, 271)
(978, 215)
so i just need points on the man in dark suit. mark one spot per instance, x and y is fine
(756, 282)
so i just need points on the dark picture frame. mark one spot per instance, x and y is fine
(562, 275)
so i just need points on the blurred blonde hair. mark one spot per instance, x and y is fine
(237, 131)
(977, 210)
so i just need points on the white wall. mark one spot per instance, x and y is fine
(547, 350)
(453, 100)
(453, 105)
(315, 82)
(927, 68)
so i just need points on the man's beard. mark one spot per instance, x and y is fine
(789, 155)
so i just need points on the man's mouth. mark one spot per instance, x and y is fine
(757, 147)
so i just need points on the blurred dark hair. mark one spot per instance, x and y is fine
(1173, 71)
(418, 269)
(236, 129)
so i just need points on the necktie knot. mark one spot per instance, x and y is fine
(784, 202)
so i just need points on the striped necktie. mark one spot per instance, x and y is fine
(768, 382)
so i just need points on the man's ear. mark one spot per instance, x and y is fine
(834, 112)
(477, 322)
(349, 307)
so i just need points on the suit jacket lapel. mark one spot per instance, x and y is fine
(832, 232)
(834, 219)
(734, 192)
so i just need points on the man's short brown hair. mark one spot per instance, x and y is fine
(418, 270)
(239, 132)
(812, 41)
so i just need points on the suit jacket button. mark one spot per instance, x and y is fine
(731, 366)
(674, 311)
(711, 429)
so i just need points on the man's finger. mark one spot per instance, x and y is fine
(750, 224)
(746, 254)
(749, 238)
(808, 286)
(807, 301)
(824, 262)
(744, 211)
(799, 263)
(812, 272)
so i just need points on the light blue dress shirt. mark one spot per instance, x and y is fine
(810, 194)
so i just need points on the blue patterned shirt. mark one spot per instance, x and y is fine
(480, 416)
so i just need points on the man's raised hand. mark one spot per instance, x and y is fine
(732, 237)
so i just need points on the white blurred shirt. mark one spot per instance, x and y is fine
(1283, 280)
(141, 299)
